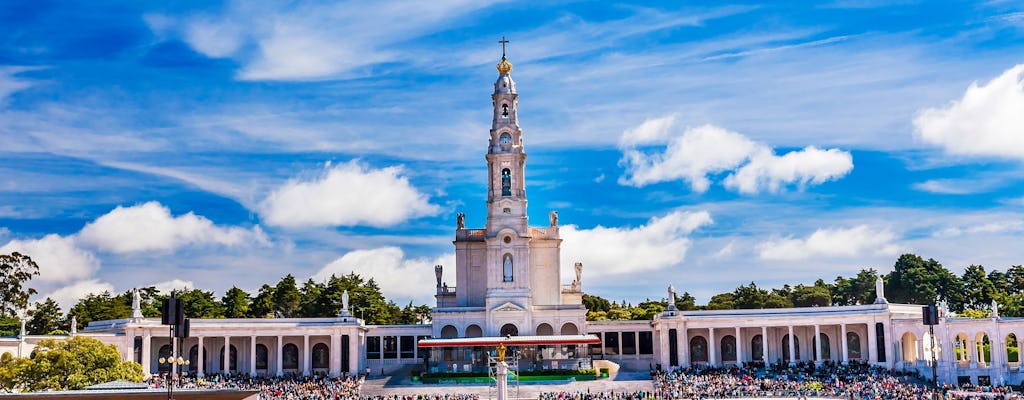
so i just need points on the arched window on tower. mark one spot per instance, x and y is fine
(504, 111)
(507, 269)
(506, 182)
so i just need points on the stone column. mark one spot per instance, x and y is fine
(306, 362)
(764, 346)
(252, 355)
(792, 348)
(739, 347)
(335, 354)
(353, 353)
(712, 347)
(502, 380)
(201, 367)
(280, 360)
(872, 343)
(817, 344)
(225, 365)
(974, 352)
(663, 347)
(844, 343)
(683, 345)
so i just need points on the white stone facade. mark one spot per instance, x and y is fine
(507, 274)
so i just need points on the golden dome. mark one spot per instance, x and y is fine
(504, 66)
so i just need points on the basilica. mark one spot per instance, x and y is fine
(508, 286)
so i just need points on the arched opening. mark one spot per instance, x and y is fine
(853, 346)
(504, 111)
(963, 354)
(232, 359)
(321, 356)
(507, 268)
(545, 330)
(193, 358)
(826, 351)
(509, 330)
(1012, 351)
(506, 182)
(570, 328)
(262, 355)
(983, 348)
(164, 352)
(728, 348)
(698, 349)
(757, 348)
(785, 348)
(474, 331)
(909, 343)
(290, 356)
(449, 332)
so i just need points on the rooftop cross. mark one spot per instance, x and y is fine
(503, 43)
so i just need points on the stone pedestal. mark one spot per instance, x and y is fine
(502, 380)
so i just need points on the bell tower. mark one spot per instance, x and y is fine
(506, 159)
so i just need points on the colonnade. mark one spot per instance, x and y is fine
(334, 354)
(687, 344)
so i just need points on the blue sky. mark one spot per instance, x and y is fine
(229, 143)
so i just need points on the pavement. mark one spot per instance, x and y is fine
(620, 382)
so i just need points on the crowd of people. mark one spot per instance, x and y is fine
(856, 381)
(276, 388)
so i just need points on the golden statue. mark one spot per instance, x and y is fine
(501, 352)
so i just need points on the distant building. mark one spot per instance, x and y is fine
(508, 283)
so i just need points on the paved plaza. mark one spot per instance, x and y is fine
(622, 382)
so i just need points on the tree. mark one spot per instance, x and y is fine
(978, 288)
(596, 303)
(857, 290)
(198, 303)
(916, 281)
(811, 296)
(236, 303)
(721, 301)
(312, 304)
(99, 307)
(70, 365)
(46, 318)
(686, 301)
(287, 299)
(263, 304)
(16, 270)
(749, 296)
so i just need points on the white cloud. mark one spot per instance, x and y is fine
(58, 257)
(68, 296)
(692, 156)
(348, 194)
(398, 277)
(316, 41)
(166, 287)
(994, 227)
(651, 131)
(661, 243)
(986, 121)
(708, 150)
(768, 172)
(151, 226)
(9, 83)
(858, 241)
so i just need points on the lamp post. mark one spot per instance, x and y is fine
(171, 362)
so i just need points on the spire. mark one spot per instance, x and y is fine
(504, 66)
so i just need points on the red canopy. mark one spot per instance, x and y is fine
(557, 340)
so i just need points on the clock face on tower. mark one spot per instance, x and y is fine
(505, 138)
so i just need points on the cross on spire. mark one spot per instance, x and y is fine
(503, 43)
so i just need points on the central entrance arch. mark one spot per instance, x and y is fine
(509, 330)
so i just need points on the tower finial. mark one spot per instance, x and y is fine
(503, 43)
